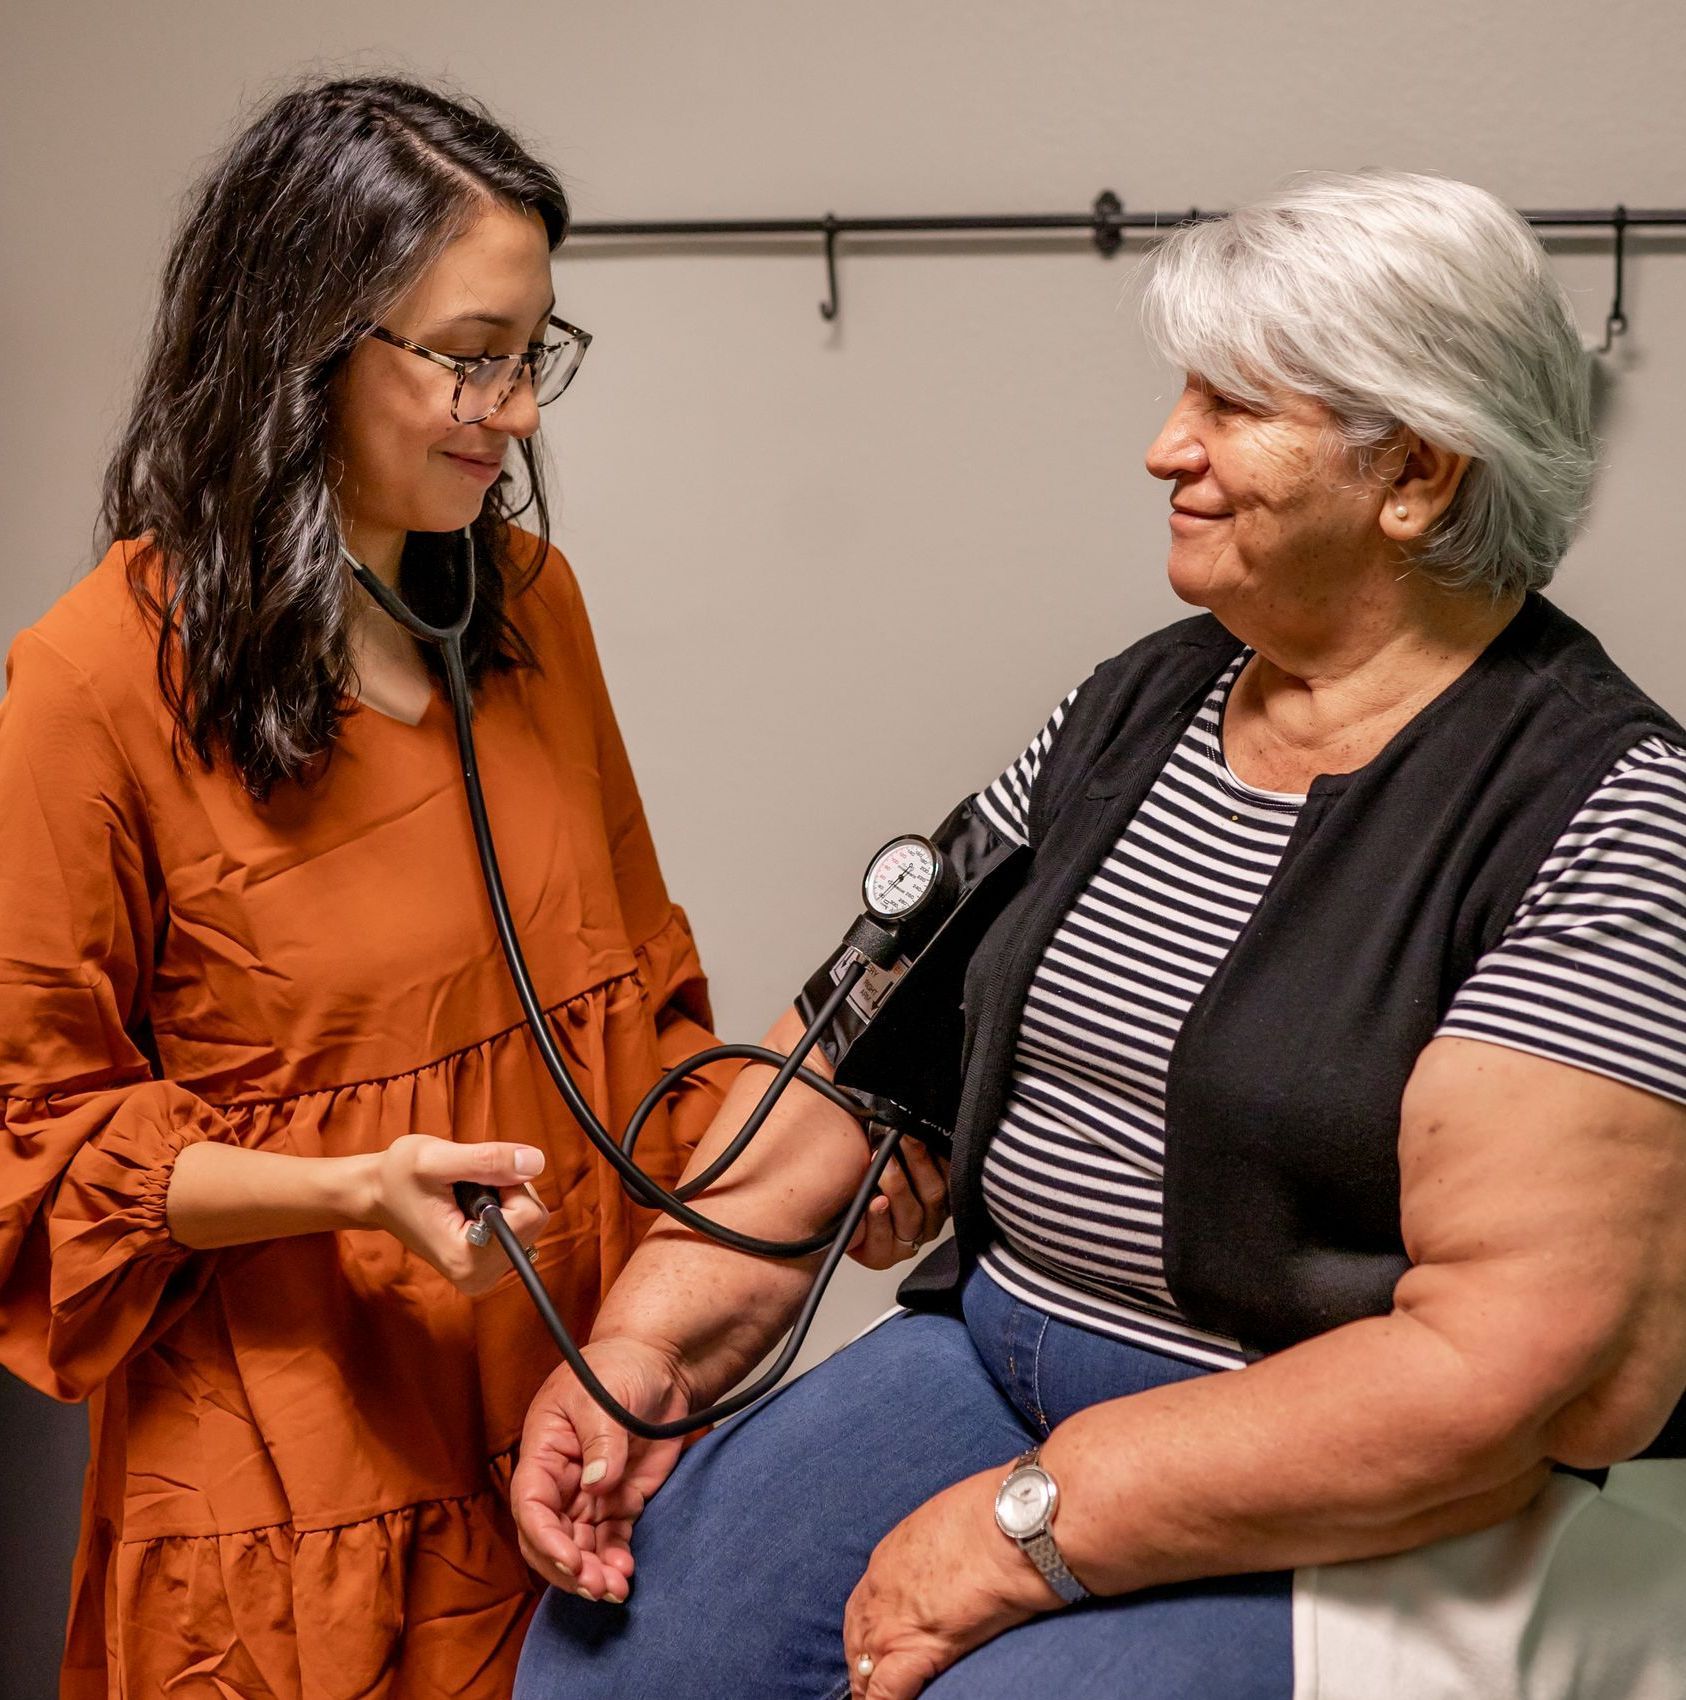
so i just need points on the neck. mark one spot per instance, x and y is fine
(1323, 673)
(378, 550)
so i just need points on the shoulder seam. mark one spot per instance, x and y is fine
(80, 677)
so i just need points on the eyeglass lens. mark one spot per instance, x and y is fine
(487, 387)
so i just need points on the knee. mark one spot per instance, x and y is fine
(580, 1650)
(652, 1649)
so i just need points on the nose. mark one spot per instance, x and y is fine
(518, 413)
(1178, 452)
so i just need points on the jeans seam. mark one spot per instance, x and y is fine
(1036, 1375)
(839, 1693)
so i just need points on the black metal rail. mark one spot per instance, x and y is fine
(1107, 221)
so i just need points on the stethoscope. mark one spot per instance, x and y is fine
(902, 878)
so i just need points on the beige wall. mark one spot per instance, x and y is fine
(840, 574)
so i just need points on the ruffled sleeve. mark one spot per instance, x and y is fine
(89, 1272)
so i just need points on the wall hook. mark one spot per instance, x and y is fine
(1616, 324)
(828, 309)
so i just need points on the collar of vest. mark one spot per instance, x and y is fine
(1201, 648)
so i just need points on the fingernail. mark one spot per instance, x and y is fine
(594, 1472)
(529, 1160)
(585, 1594)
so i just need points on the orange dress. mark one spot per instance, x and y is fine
(301, 1447)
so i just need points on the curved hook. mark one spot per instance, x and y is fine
(828, 309)
(1616, 324)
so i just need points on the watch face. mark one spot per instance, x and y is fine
(1025, 1501)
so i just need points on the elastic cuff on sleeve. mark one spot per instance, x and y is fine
(152, 1199)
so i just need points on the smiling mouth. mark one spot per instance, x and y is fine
(485, 473)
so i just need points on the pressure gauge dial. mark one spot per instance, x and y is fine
(902, 878)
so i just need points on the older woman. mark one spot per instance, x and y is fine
(1320, 1177)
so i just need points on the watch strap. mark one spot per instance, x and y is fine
(1042, 1552)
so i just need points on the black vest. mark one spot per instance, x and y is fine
(1284, 1086)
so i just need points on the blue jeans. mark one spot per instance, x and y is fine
(748, 1554)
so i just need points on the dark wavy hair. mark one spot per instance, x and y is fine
(316, 221)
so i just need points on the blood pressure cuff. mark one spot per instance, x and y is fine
(897, 1043)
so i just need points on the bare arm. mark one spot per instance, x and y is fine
(1544, 1209)
(711, 1312)
(223, 1195)
(226, 1195)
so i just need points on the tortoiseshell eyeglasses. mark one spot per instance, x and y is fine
(486, 382)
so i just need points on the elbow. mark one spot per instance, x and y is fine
(1524, 1418)
(1512, 1393)
(1611, 1422)
(1491, 1432)
(1592, 1397)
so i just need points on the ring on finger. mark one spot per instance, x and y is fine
(912, 1245)
(532, 1254)
(864, 1665)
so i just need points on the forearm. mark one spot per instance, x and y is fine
(715, 1312)
(224, 1195)
(1374, 1438)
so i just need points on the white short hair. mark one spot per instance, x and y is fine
(1400, 300)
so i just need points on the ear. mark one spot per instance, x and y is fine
(1427, 480)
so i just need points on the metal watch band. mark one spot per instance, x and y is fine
(1041, 1550)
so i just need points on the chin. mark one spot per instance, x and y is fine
(1190, 583)
(447, 515)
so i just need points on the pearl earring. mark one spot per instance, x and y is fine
(1400, 511)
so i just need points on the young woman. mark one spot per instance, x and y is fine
(254, 1021)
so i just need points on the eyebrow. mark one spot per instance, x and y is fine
(493, 321)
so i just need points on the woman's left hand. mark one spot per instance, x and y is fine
(942, 1582)
(909, 1211)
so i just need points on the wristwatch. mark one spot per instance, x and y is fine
(1024, 1512)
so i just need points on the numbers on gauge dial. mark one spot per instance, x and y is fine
(901, 877)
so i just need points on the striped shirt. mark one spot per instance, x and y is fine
(1591, 971)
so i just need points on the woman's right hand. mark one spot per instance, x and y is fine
(582, 1480)
(411, 1199)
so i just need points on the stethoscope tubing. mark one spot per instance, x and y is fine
(745, 1396)
(832, 1240)
(647, 1191)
